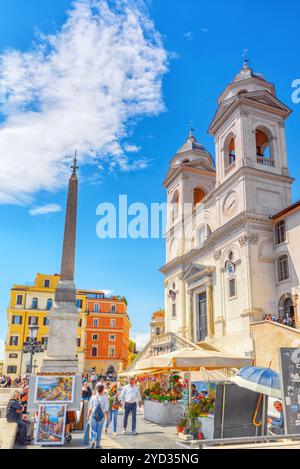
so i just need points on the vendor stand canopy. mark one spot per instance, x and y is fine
(193, 360)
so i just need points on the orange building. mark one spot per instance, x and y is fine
(107, 332)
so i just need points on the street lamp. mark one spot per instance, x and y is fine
(32, 346)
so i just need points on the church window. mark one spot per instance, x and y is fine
(199, 196)
(283, 268)
(229, 152)
(280, 232)
(175, 206)
(264, 152)
(173, 310)
(232, 288)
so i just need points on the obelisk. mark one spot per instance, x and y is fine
(64, 316)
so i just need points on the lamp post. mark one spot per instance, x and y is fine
(32, 346)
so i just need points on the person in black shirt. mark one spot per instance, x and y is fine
(86, 392)
(14, 414)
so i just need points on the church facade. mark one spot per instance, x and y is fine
(231, 244)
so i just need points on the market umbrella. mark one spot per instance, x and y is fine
(194, 359)
(260, 380)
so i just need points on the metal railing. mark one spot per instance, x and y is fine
(241, 441)
(265, 161)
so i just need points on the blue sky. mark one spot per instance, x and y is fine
(204, 41)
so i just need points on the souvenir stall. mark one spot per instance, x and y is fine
(199, 411)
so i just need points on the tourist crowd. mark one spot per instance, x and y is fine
(17, 412)
(105, 401)
(285, 320)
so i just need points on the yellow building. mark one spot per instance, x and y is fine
(29, 305)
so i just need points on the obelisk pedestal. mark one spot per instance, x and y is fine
(64, 316)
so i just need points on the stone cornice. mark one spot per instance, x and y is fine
(240, 223)
(245, 171)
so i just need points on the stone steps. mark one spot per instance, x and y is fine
(8, 432)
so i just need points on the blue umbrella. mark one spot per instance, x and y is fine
(260, 380)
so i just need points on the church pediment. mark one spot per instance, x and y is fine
(257, 97)
(266, 98)
(197, 271)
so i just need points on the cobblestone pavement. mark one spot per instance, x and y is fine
(150, 436)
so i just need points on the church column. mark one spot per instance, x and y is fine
(296, 304)
(210, 310)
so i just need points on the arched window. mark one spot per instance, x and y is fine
(49, 304)
(264, 154)
(231, 149)
(199, 196)
(229, 152)
(283, 268)
(289, 308)
(280, 232)
(94, 351)
(175, 206)
(35, 303)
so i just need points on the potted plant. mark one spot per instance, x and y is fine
(195, 429)
(182, 425)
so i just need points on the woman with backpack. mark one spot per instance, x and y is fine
(114, 406)
(98, 411)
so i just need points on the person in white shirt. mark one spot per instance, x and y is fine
(98, 399)
(130, 398)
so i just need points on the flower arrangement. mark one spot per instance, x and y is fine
(166, 388)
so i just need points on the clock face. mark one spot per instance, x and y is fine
(231, 204)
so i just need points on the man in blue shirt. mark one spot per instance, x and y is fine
(277, 424)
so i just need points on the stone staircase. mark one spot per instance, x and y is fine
(8, 431)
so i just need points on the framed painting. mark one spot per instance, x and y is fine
(51, 425)
(54, 389)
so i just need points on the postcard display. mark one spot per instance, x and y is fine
(52, 395)
(290, 386)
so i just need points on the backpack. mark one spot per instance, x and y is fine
(98, 415)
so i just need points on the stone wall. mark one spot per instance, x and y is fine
(268, 337)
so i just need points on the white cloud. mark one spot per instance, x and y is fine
(189, 35)
(81, 88)
(131, 148)
(2, 348)
(45, 209)
(141, 339)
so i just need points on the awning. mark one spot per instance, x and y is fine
(189, 359)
